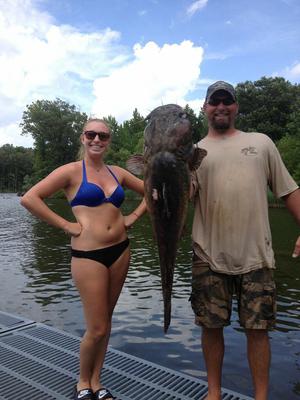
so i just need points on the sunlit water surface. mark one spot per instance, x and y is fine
(36, 283)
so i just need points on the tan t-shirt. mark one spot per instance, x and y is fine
(231, 225)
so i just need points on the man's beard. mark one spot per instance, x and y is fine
(220, 125)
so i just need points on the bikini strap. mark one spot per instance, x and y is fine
(113, 174)
(84, 178)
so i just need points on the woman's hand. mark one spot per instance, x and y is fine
(296, 252)
(73, 229)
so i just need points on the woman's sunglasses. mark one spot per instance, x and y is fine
(226, 102)
(103, 136)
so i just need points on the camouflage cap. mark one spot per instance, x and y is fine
(220, 85)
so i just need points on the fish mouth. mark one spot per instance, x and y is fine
(164, 159)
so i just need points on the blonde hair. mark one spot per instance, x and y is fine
(80, 154)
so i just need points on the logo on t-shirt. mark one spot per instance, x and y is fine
(249, 151)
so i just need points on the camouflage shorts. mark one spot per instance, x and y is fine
(212, 294)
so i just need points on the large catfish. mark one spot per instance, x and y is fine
(169, 156)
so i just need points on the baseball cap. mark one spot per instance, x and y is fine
(220, 85)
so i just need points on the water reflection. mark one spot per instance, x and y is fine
(48, 268)
(36, 282)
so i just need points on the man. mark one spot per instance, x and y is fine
(232, 239)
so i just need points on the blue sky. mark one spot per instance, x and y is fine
(108, 57)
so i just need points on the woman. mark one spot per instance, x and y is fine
(100, 247)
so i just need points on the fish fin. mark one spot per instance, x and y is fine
(135, 164)
(197, 157)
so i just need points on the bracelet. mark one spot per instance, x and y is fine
(136, 214)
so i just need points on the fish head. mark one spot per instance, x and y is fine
(170, 130)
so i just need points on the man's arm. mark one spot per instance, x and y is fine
(292, 202)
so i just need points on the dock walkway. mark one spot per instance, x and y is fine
(40, 362)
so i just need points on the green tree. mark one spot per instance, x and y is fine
(55, 127)
(196, 123)
(127, 139)
(266, 105)
(116, 141)
(293, 125)
(132, 130)
(15, 164)
(289, 148)
(202, 124)
(114, 126)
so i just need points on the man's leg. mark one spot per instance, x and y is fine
(257, 316)
(211, 300)
(259, 357)
(213, 350)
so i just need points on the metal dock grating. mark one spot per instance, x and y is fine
(11, 322)
(39, 361)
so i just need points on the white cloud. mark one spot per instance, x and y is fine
(9, 134)
(41, 60)
(196, 105)
(157, 75)
(292, 72)
(195, 7)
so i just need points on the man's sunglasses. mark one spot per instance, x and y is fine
(103, 136)
(226, 102)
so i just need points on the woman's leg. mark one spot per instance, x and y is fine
(92, 281)
(117, 275)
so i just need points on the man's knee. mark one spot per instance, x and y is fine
(257, 335)
(212, 333)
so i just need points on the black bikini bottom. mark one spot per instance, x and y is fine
(106, 255)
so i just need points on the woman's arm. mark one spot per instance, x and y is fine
(130, 181)
(33, 200)
(137, 185)
(140, 210)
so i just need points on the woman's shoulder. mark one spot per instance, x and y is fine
(71, 167)
(75, 165)
(68, 170)
(120, 173)
(116, 169)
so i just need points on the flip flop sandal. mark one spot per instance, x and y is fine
(83, 394)
(103, 394)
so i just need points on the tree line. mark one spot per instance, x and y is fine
(268, 105)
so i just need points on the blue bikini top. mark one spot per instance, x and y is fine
(91, 195)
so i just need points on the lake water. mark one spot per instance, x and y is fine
(35, 282)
